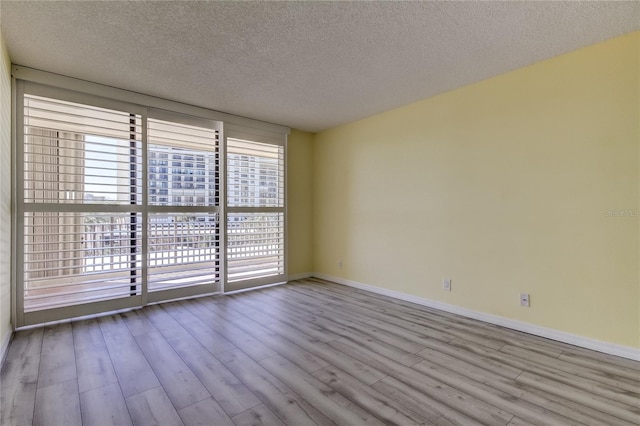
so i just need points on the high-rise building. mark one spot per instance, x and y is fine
(181, 177)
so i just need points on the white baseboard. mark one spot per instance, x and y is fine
(301, 276)
(561, 336)
(5, 346)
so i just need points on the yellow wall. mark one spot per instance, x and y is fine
(504, 187)
(5, 195)
(299, 199)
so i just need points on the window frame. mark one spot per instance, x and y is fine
(41, 83)
(23, 318)
(256, 135)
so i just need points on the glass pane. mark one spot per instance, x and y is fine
(255, 173)
(183, 165)
(72, 258)
(183, 250)
(255, 245)
(78, 154)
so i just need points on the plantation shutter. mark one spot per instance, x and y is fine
(184, 218)
(124, 199)
(81, 204)
(255, 212)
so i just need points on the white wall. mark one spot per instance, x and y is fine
(5, 198)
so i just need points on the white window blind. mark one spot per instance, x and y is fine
(256, 214)
(255, 174)
(183, 174)
(255, 245)
(183, 165)
(80, 154)
(183, 250)
(82, 189)
(125, 200)
(73, 258)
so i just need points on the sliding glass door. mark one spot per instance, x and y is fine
(120, 205)
(80, 208)
(255, 210)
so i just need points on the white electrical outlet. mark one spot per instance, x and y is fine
(524, 299)
(446, 284)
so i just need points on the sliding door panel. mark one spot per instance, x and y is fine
(183, 250)
(79, 207)
(183, 233)
(255, 213)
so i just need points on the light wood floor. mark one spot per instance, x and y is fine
(310, 352)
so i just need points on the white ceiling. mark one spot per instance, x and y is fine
(308, 65)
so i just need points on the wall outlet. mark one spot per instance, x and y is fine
(340, 264)
(446, 284)
(524, 299)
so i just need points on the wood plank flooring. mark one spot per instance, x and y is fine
(308, 353)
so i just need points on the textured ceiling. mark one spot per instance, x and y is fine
(308, 65)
